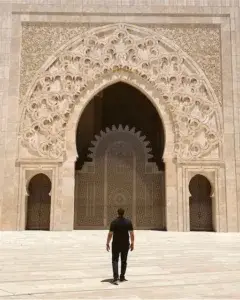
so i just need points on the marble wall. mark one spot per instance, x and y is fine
(207, 31)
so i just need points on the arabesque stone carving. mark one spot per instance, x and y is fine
(181, 84)
(203, 44)
(117, 131)
(41, 40)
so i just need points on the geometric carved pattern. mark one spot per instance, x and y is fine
(180, 84)
(118, 131)
(40, 41)
(122, 177)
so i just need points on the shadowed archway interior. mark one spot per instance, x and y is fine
(39, 203)
(200, 204)
(112, 171)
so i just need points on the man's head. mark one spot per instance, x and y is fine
(120, 212)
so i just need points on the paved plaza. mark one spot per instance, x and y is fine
(75, 265)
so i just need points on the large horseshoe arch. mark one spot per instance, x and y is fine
(65, 84)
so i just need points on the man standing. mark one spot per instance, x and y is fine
(120, 229)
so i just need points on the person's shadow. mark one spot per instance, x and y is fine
(110, 280)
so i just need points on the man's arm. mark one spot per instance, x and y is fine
(132, 240)
(131, 236)
(109, 237)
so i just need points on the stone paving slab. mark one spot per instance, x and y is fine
(164, 265)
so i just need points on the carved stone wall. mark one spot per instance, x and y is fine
(203, 44)
(183, 88)
(41, 40)
(120, 176)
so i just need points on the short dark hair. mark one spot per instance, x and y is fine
(121, 212)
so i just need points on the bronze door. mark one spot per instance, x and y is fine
(200, 204)
(119, 175)
(39, 203)
(119, 180)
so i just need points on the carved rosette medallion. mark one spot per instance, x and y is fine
(180, 84)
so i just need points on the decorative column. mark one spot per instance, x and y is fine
(171, 195)
(67, 184)
(180, 197)
(220, 193)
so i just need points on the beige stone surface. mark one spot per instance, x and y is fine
(164, 265)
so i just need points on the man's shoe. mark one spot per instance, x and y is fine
(123, 279)
(115, 281)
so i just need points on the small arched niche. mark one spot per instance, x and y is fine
(200, 204)
(39, 203)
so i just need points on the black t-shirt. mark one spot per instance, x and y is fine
(120, 228)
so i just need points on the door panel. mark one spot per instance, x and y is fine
(39, 203)
(200, 204)
(119, 175)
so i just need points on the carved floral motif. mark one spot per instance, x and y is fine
(203, 44)
(41, 40)
(182, 87)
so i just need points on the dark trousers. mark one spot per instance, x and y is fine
(116, 251)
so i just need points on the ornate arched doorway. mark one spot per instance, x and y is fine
(200, 203)
(39, 203)
(120, 160)
(174, 83)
